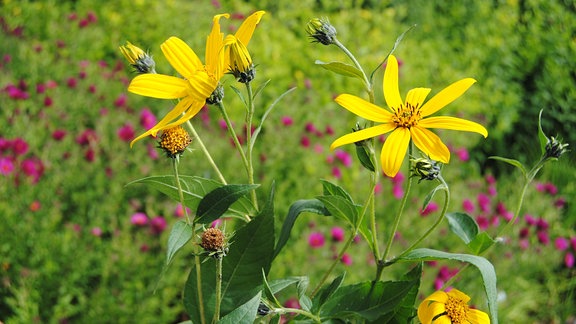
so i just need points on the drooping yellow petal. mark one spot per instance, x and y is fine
(239, 56)
(430, 144)
(416, 96)
(429, 310)
(193, 109)
(214, 54)
(390, 86)
(245, 31)
(453, 123)
(446, 96)
(394, 150)
(475, 316)
(181, 56)
(158, 86)
(362, 135)
(201, 86)
(364, 108)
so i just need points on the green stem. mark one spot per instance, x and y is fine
(199, 283)
(438, 221)
(249, 147)
(297, 311)
(367, 82)
(206, 153)
(218, 289)
(180, 192)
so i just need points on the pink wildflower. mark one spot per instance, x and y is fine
(126, 133)
(139, 219)
(468, 206)
(337, 234)
(561, 243)
(346, 259)
(316, 239)
(6, 166)
(158, 224)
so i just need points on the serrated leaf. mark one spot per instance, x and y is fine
(194, 189)
(298, 207)
(481, 243)
(331, 189)
(342, 69)
(217, 201)
(245, 314)
(180, 234)
(463, 225)
(513, 162)
(364, 157)
(329, 290)
(541, 136)
(405, 311)
(484, 266)
(341, 208)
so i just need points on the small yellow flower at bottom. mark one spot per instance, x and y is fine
(174, 141)
(450, 308)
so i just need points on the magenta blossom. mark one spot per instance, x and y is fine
(561, 243)
(126, 133)
(430, 208)
(346, 259)
(158, 224)
(6, 166)
(139, 219)
(316, 239)
(337, 234)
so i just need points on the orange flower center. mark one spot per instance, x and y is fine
(456, 309)
(407, 115)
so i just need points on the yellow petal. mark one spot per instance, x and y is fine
(394, 150)
(446, 96)
(181, 56)
(416, 97)
(193, 109)
(201, 86)
(453, 123)
(362, 135)
(244, 33)
(428, 310)
(214, 54)
(158, 86)
(438, 296)
(430, 144)
(457, 294)
(390, 86)
(475, 316)
(363, 108)
(239, 56)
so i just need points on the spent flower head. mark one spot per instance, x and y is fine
(406, 120)
(321, 31)
(174, 141)
(214, 242)
(141, 61)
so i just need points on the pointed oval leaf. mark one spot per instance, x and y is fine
(484, 266)
(364, 157)
(341, 208)
(481, 243)
(329, 290)
(217, 201)
(331, 189)
(431, 194)
(342, 69)
(463, 225)
(180, 234)
(541, 136)
(513, 162)
(245, 314)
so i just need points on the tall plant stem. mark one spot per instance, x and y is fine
(175, 162)
(199, 283)
(365, 79)
(206, 152)
(218, 289)
(249, 146)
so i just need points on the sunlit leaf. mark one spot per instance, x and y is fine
(217, 201)
(481, 243)
(513, 162)
(245, 314)
(342, 69)
(463, 225)
(180, 234)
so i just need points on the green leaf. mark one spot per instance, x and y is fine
(245, 314)
(180, 234)
(194, 189)
(367, 300)
(513, 162)
(260, 88)
(328, 291)
(364, 157)
(463, 225)
(396, 44)
(266, 113)
(305, 301)
(240, 95)
(481, 243)
(217, 201)
(431, 194)
(342, 69)
(341, 208)
(484, 266)
(298, 207)
(541, 136)
(331, 189)
(405, 311)
(250, 255)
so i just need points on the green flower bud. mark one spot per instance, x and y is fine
(554, 148)
(425, 168)
(321, 31)
(141, 61)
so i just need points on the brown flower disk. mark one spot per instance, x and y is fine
(212, 240)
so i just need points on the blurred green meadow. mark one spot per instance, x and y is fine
(80, 245)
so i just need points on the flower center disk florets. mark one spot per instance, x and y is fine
(456, 310)
(407, 116)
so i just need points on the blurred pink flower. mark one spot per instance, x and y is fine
(33, 167)
(543, 237)
(35, 206)
(561, 243)
(158, 224)
(346, 259)
(6, 166)
(121, 100)
(430, 208)
(398, 191)
(344, 157)
(96, 231)
(337, 234)
(126, 133)
(542, 224)
(19, 146)
(305, 141)
(287, 121)
(292, 303)
(569, 260)
(378, 188)
(560, 202)
(310, 128)
(524, 232)
(58, 134)
(483, 202)
(48, 101)
(490, 179)
(71, 83)
(87, 137)
(329, 130)
(530, 220)
(139, 219)
(316, 239)
(483, 222)
(398, 178)
(468, 206)
(152, 152)
(463, 154)
(147, 118)
(524, 244)
(336, 172)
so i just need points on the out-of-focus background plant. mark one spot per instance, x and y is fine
(76, 245)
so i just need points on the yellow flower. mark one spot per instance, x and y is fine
(449, 308)
(140, 60)
(196, 85)
(406, 120)
(238, 59)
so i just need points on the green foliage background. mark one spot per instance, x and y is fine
(521, 52)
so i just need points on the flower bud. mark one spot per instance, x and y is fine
(321, 31)
(141, 61)
(241, 65)
(425, 168)
(174, 141)
(216, 96)
(554, 148)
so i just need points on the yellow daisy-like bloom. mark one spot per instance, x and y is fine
(406, 120)
(450, 308)
(238, 58)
